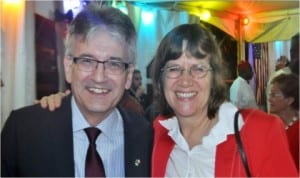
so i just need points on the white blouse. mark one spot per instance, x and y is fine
(200, 160)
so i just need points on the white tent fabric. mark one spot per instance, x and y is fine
(17, 57)
(273, 26)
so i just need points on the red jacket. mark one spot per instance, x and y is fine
(264, 140)
(293, 139)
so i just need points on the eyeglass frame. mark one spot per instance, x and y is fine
(182, 69)
(276, 95)
(125, 65)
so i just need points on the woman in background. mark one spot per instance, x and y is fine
(284, 102)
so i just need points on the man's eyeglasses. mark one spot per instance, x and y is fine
(197, 71)
(111, 66)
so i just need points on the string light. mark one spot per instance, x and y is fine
(205, 15)
(245, 20)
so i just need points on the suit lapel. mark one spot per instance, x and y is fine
(138, 146)
(129, 140)
(62, 142)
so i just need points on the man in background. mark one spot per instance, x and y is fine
(241, 93)
(137, 90)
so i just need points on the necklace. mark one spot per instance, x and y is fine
(294, 119)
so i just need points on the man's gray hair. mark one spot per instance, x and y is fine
(93, 19)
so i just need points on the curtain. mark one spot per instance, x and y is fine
(17, 56)
(261, 65)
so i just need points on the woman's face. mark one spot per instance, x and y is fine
(278, 102)
(187, 95)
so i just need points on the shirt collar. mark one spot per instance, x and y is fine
(225, 124)
(218, 133)
(111, 126)
(242, 79)
(172, 125)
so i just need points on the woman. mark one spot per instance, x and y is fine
(284, 102)
(194, 133)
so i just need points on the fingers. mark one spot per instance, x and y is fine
(56, 100)
(43, 102)
(36, 101)
(67, 92)
(53, 101)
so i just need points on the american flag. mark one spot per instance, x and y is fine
(261, 70)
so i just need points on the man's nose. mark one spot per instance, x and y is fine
(99, 72)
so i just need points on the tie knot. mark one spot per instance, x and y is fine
(92, 133)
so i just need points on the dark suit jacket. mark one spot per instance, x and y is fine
(38, 142)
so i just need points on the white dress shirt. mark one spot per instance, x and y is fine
(200, 160)
(241, 94)
(110, 143)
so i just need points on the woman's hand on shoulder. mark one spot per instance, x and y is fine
(52, 101)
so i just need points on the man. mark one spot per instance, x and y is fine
(241, 93)
(137, 90)
(281, 63)
(99, 64)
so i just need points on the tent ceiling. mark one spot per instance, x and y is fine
(235, 7)
(270, 19)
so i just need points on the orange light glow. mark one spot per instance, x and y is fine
(11, 11)
(15, 2)
(245, 21)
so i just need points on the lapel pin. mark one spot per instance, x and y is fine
(137, 162)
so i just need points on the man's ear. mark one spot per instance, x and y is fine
(68, 68)
(129, 77)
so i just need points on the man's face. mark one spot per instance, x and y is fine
(136, 81)
(98, 92)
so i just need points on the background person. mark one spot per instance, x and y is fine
(130, 103)
(241, 93)
(284, 102)
(293, 66)
(194, 133)
(99, 64)
(137, 90)
(281, 63)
